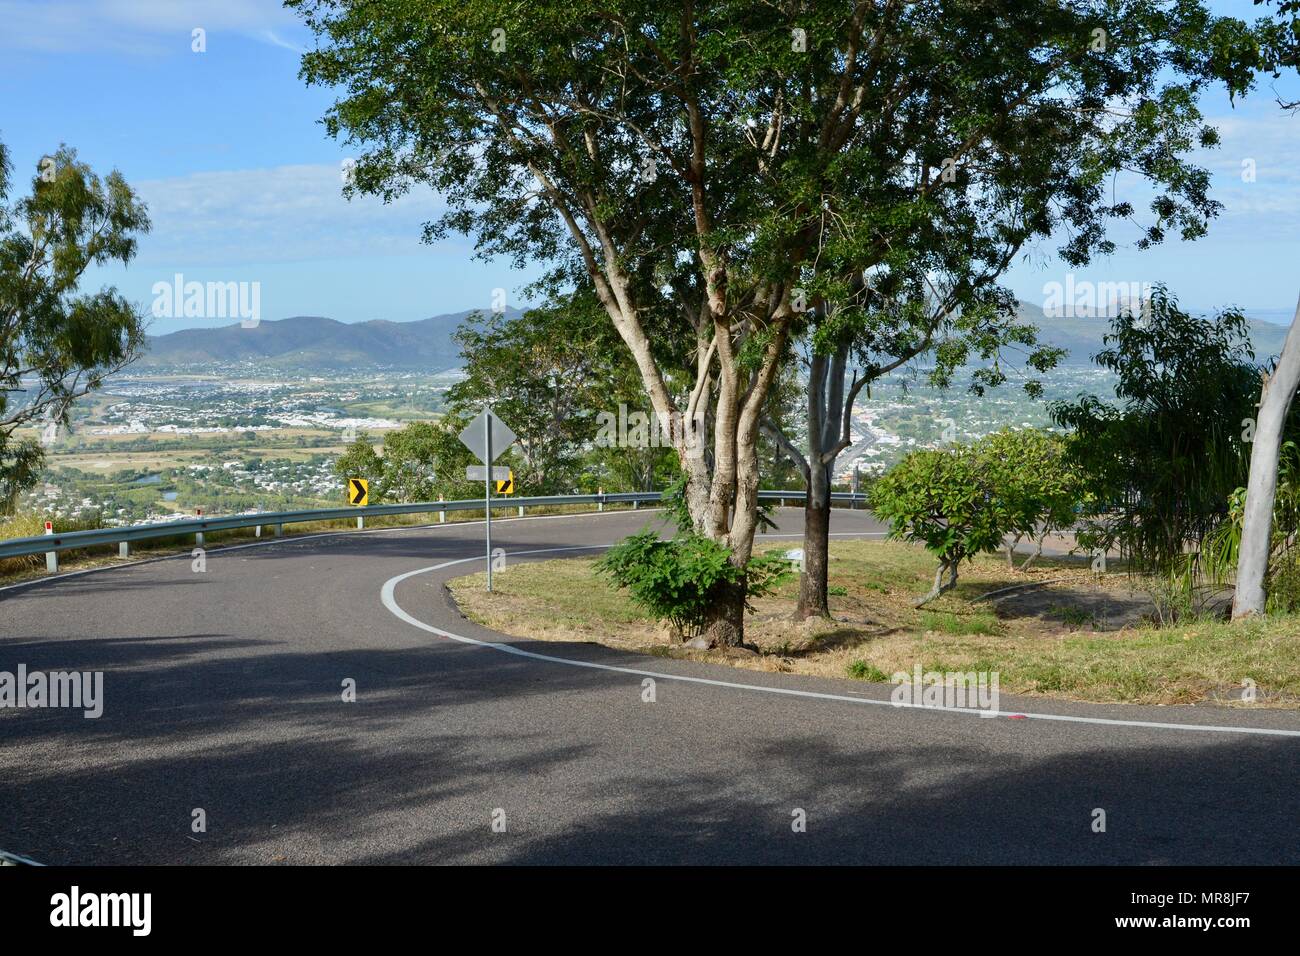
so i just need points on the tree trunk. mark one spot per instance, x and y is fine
(1257, 525)
(940, 585)
(813, 600)
(1011, 552)
(724, 623)
(1038, 552)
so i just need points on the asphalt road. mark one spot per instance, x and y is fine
(223, 692)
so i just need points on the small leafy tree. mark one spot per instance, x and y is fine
(420, 462)
(1036, 484)
(946, 500)
(545, 372)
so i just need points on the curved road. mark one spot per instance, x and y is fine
(223, 692)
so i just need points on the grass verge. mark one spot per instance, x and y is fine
(1073, 635)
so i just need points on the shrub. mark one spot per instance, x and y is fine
(1162, 463)
(677, 580)
(945, 500)
(1038, 487)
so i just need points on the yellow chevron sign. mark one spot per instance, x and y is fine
(506, 487)
(358, 491)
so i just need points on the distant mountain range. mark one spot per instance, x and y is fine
(1081, 336)
(313, 341)
(310, 341)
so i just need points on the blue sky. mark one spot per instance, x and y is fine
(244, 185)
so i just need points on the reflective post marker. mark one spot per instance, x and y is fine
(51, 557)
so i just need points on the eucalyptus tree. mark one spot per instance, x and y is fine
(700, 162)
(1280, 49)
(56, 342)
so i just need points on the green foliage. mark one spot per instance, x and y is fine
(1039, 489)
(962, 500)
(679, 579)
(420, 462)
(361, 461)
(21, 461)
(64, 340)
(414, 460)
(546, 372)
(1217, 557)
(1160, 466)
(945, 499)
(864, 670)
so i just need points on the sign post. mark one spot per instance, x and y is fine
(487, 493)
(487, 437)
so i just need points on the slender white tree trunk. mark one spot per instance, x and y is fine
(1257, 526)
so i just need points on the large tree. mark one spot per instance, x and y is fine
(698, 163)
(56, 342)
(870, 332)
(1280, 49)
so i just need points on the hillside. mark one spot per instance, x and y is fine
(312, 341)
(1081, 336)
(306, 342)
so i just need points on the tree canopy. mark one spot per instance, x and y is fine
(57, 342)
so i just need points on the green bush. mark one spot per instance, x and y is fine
(944, 499)
(677, 580)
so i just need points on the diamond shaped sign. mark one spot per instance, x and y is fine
(474, 437)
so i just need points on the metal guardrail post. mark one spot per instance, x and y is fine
(279, 530)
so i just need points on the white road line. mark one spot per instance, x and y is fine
(390, 602)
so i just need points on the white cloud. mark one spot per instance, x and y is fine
(141, 27)
(281, 214)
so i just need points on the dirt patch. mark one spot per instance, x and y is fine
(1074, 606)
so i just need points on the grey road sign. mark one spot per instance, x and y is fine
(480, 473)
(475, 436)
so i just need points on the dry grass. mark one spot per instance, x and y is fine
(1079, 637)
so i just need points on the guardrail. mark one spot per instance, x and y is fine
(51, 544)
